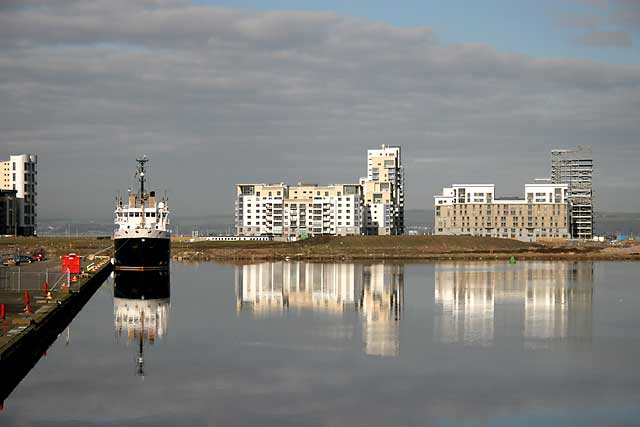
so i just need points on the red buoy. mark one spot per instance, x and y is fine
(3, 312)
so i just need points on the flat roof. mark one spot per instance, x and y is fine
(473, 185)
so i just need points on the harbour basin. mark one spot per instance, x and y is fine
(294, 343)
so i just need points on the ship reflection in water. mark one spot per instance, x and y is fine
(141, 309)
(542, 302)
(375, 292)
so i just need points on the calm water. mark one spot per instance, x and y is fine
(279, 344)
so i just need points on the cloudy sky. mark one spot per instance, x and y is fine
(253, 91)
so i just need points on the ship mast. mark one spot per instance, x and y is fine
(140, 172)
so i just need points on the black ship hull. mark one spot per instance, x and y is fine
(142, 253)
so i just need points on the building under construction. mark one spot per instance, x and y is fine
(575, 168)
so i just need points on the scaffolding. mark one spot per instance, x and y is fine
(575, 168)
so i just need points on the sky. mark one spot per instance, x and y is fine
(227, 92)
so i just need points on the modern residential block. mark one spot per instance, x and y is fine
(20, 173)
(374, 206)
(295, 211)
(384, 191)
(473, 209)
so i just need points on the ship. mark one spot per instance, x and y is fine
(142, 237)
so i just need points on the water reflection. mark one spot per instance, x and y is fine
(141, 309)
(543, 302)
(374, 291)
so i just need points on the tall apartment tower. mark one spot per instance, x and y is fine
(384, 191)
(574, 167)
(19, 173)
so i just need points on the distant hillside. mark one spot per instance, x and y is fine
(213, 224)
(418, 218)
(606, 223)
(617, 222)
(209, 224)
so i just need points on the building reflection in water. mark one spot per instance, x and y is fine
(141, 309)
(375, 291)
(541, 301)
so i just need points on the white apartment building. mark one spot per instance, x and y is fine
(300, 210)
(383, 190)
(473, 209)
(374, 206)
(20, 173)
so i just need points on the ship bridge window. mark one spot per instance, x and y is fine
(137, 214)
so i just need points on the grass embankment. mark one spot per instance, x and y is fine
(343, 248)
(395, 248)
(350, 247)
